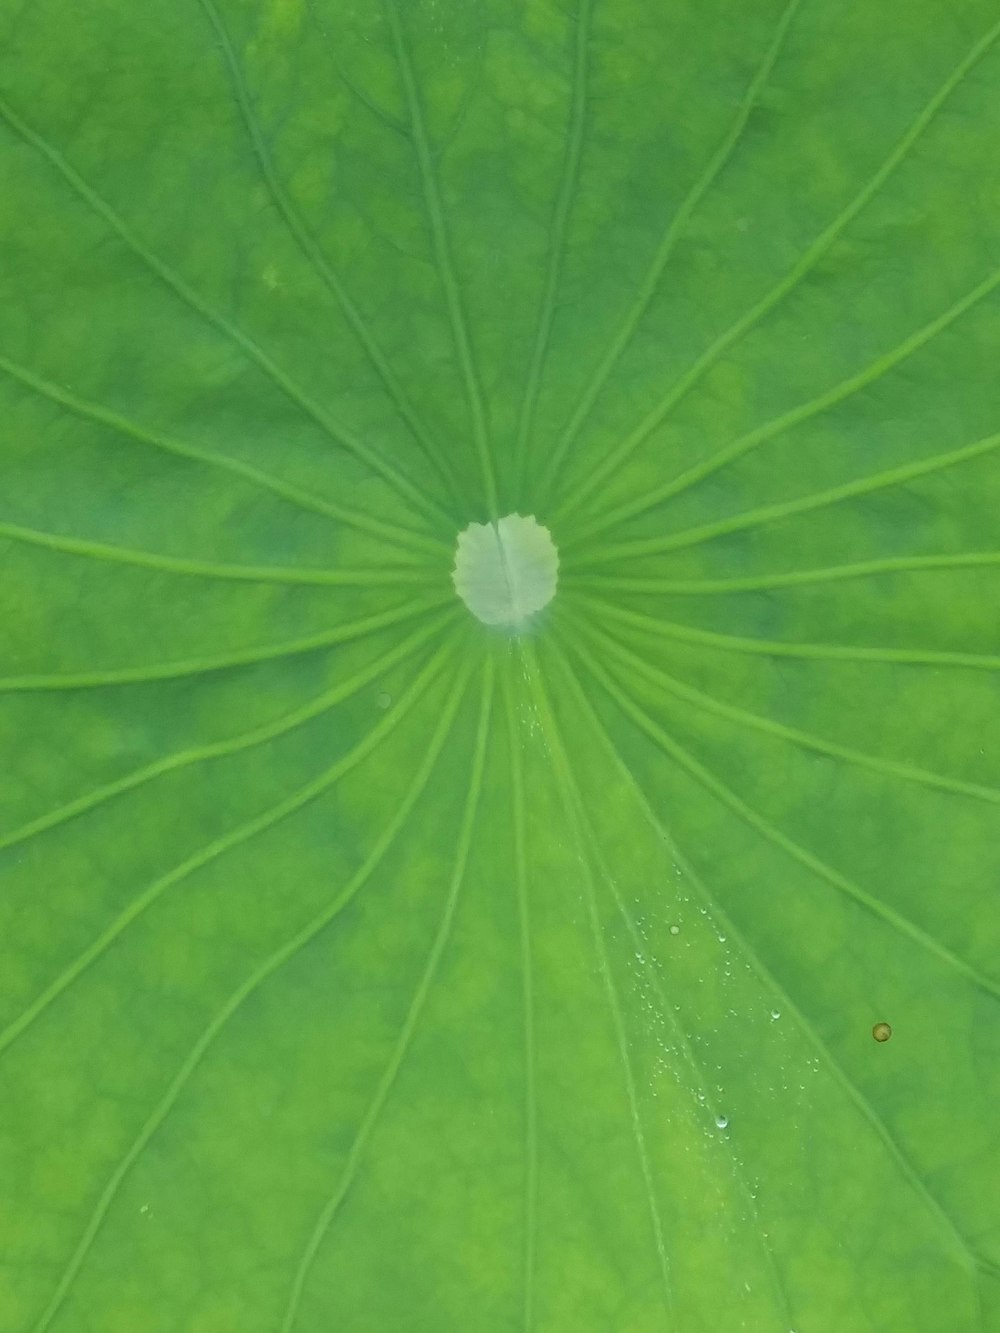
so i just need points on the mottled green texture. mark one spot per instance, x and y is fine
(363, 968)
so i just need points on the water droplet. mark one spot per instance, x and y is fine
(722, 939)
(722, 1121)
(383, 700)
(675, 930)
(775, 1014)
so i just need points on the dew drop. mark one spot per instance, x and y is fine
(722, 1121)
(383, 700)
(675, 930)
(775, 1015)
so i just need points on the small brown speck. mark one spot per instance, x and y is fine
(881, 1031)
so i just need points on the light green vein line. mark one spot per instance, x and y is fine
(571, 801)
(519, 829)
(733, 713)
(443, 259)
(809, 259)
(708, 1105)
(390, 576)
(293, 494)
(896, 476)
(232, 745)
(903, 564)
(821, 652)
(664, 251)
(864, 379)
(788, 1005)
(855, 892)
(310, 248)
(250, 829)
(260, 974)
(557, 245)
(337, 432)
(158, 671)
(388, 1079)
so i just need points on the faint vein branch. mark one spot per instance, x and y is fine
(231, 745)
(390, 576)
(571, 801)
(557, 244)
(262, 973)
(293, 494)
(337, 432)
(228, 842)
(519, 830)
(754, 961)
(822, 652)
(385, 117)
(663, 254)
(807, 261)
(847, 887)
(313, 253)
(443, 259)
(779, 425)
(157, 671)
(902, 564)
(772, 513)
(708, 1102)
(370, 1119)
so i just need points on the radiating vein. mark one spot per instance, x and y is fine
(388, 576)
(707, 1101)
(807, 261)
(263, 972)
(571, 801)
(336, 431)
(779, 425)
(834, 652)
(674, 231)
(313, 253)
(228, 842)
(367, 1126)
(772, 513)
(231, 745)
(443, 259)
(519, 831)
(788, 1005)
(390, 532)
(851, 890)
(807, 740)
(157, 671)
(794, 578)
(557, 244)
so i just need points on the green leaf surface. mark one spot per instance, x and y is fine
(367, 968)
